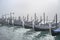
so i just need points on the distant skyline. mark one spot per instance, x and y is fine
(24, 7)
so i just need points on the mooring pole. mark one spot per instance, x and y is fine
(23, 21)
(27, 17)
(47, 19)
(44, 17)
(35, 18)
(56, 20)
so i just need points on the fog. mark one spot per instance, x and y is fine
(24, 7)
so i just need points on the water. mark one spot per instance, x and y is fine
(13, 33)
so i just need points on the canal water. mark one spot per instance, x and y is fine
(14, 33)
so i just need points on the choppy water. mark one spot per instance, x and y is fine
(13, 33)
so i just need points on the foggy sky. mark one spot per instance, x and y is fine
(24, 7)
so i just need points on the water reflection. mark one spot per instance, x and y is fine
(7, 33)
(57, 37)
(38, 35)
(29, 35)
(30, 32)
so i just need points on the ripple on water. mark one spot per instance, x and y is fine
(7, 33)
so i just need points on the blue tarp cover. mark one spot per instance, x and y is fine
(57, 30)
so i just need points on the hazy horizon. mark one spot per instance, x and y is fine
(24, 7)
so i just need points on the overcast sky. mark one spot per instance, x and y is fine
(24, 7)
